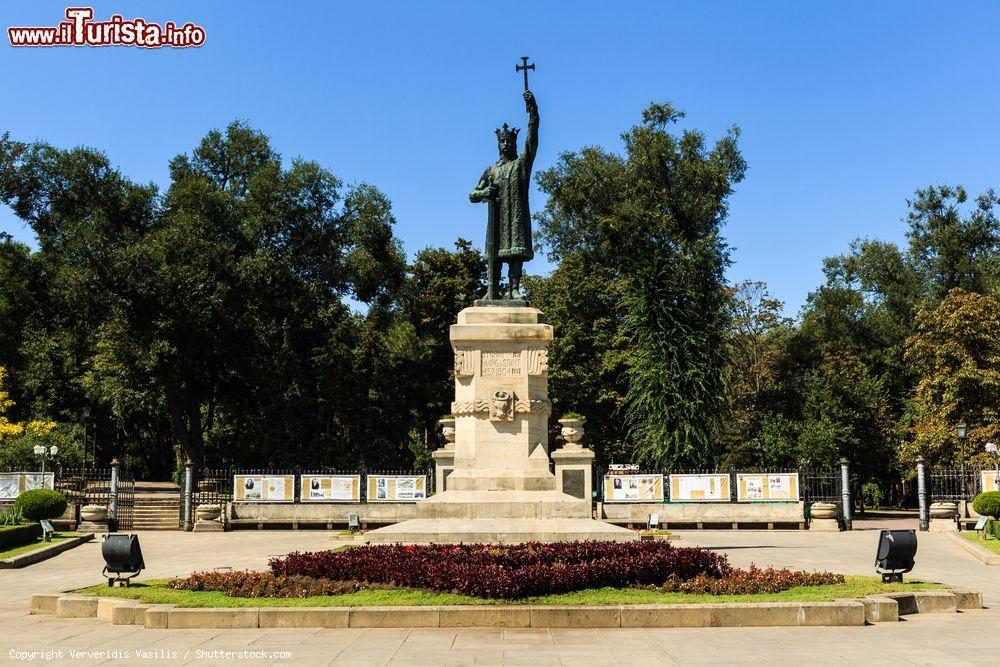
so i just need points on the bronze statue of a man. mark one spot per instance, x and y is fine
(505, 186)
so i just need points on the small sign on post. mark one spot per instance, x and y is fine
(981, 527)
(47, 530)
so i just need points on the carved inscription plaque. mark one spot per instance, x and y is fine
(501, 364)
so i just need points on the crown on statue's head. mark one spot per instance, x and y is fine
(507, 133)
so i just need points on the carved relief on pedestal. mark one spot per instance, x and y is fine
(538, 360)
(464, 362)
(502, 406)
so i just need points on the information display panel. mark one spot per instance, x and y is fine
(13, 484)
(989, 480)
(699, 488)
(264, 488)
(396, 488)
(767, 488)
(633, 488)
(330, 488)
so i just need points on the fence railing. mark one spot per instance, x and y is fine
(954, 484)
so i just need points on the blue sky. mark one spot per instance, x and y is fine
(846, 108)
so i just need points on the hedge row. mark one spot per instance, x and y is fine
(507, 572)
(15, 536)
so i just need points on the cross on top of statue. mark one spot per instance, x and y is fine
(525, 67)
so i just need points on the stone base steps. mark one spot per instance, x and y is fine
(497, 531)
(161, 516)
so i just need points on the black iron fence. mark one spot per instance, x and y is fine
(953, 484)
(93, 486)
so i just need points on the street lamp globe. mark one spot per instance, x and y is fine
(39, 450)
(53, 450)
(991, 448)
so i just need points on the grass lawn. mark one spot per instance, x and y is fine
(25, 548)
(156, 591)
(993, 544)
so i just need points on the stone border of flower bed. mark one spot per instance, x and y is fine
(984, 556)
(845, 612)
(44, 553)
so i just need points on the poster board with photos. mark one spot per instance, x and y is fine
(330, 489)
(699, 488)
(633, 488)
(767, 487)
(396, 488)
(989, 480)
(13, 484)
(264, 488)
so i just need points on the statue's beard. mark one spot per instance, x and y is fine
(508, 154)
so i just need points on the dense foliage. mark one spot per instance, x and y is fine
(40, 504)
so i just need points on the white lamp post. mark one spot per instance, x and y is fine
(43, 453)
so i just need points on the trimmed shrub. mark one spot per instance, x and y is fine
(509, 571)
(15, 536)
(40, 504)
(987, 504)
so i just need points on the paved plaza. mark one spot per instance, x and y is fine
(953, 639)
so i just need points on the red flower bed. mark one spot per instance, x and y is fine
(508, 572)
(751, 580)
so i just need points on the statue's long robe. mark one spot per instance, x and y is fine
(512, 179)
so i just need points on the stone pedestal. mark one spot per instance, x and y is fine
(501, 488)
(444, 458)
(575, 471)
(501, 406)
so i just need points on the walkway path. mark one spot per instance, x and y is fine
(952, 639)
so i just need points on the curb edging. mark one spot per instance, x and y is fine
(982, 555)
(38, 555)
(842, 612)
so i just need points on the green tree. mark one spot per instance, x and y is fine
(653, 218)
(956, 354)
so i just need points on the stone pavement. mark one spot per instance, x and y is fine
(952, 639)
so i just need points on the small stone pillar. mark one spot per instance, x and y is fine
(845, 491)
(444, 458)
(188, 491)
(922, 493)
(574, 463)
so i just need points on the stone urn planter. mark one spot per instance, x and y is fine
(94, 513)
(944, 510)
(448, 431)
(207, 512)
(823, 511)
(572, 431)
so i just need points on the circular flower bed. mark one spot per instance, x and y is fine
(502, 572)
